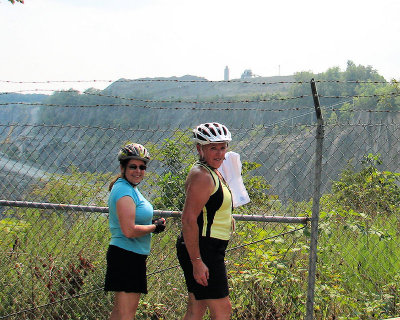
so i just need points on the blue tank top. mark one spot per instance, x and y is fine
(143, 216)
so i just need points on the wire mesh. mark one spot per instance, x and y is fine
(53, 260)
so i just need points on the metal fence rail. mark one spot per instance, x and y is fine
(157, 213)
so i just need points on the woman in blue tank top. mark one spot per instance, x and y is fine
(131, 225)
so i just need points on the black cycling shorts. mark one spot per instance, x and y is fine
(212, 253)
(126, 271)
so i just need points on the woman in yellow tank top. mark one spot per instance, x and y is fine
(206, 226)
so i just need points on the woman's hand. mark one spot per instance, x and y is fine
(160, 225)
(200, 272)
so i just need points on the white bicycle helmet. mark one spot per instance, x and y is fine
(211, 132)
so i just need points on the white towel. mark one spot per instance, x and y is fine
(231, 170)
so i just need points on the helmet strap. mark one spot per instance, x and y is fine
(206, 164)
(200, 150)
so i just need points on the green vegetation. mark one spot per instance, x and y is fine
(176, 157)
(358, 277)
(53, 261)
(50, 256)
(14, 1)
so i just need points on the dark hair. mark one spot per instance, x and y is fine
(123, 164)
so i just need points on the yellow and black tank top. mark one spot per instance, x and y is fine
(215, 219)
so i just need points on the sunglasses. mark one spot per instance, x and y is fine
(134, 167)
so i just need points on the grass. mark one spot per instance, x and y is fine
(57, 260)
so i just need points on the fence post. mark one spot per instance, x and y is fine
(315, 208)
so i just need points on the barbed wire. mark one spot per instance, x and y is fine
(200, 102)
(332, 108)
(198, 109)
(54, 81)
(246, 101)
(362, 96)
(353, 81)
(151, 128)
(347, 124)
(226, 102)
(186, 101)
(196, 80)
(179, 101)
(71, 126)
(366, 110)
(155, 80)
(311, 112)
(156, 107)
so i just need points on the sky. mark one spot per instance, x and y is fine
(74, 42)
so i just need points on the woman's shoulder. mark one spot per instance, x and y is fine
(199, 171)
(122, 188)
(121, 185)
(200, 175)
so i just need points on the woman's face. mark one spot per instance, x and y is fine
(213, 154)
(133, 173)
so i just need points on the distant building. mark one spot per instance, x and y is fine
(246, 74)
(226, 74)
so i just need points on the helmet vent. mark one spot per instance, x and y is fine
(211, 132)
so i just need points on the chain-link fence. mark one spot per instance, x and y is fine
(54, 227)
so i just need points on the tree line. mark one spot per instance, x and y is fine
(358, 87)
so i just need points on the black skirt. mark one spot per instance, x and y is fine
(212, 253)
(126, 271)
